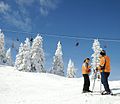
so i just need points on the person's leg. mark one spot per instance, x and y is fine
(106, 84)
(104, 80)
(85, 82)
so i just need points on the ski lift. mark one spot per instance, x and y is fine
(17, 39)
(105, 46)
(31, 39)
(77, 44)
(13, 44)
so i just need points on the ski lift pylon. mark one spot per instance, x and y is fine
(77, 44)
(13, 44)
(17, 39)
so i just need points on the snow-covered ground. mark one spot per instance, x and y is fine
(42, 88)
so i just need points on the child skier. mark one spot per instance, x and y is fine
(85, 72)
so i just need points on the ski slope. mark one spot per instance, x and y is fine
(42, 88)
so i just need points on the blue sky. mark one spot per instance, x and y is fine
(80, 18)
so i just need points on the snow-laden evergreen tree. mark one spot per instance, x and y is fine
(58, 66)
(96, 60)
(19, 58)
(37, 55)
(27, 55)
(23, 58)
(2, 50)
(9, 58)
(71, 69)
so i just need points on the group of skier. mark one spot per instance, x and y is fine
(104, 68)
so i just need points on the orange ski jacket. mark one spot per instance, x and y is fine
(85, 68)
(104, 64)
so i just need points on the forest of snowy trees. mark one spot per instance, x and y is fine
(31, 57)
(5, 56)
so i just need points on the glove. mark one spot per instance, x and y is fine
(89, 70)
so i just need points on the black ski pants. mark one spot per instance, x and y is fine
(86, 82)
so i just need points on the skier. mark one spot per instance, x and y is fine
(85, 72)
(104, 68)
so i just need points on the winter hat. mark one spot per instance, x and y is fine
(86, 59)
(103, 53)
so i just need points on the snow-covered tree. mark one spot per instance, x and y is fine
(37, 55)
(58, 66)
(71, 69)
(27, 55)
(23, 58)
(2, 51)
(19, 58)
(9, 57)
(96, 60)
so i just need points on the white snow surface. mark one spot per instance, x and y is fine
(43, 88)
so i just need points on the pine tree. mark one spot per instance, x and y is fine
(23, 58)
(37, 55)
(58, 67)
(19, 58)
(96, 61)
(9, 58)
(71, 69)
(2, 51)
(27, 56)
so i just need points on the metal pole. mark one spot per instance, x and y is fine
(94, 81)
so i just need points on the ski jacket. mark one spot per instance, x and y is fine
(104, 64)
(85, 68)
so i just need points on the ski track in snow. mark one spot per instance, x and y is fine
(43, 88)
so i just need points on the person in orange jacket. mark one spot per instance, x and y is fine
(104, 68)
(85, 72)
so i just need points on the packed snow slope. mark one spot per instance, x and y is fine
(42, 88)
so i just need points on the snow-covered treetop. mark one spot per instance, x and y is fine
(37, 42)
(21, 48)
(1, 36)
(70, 64)
(1, 33)
(8, 53)
(71, 69)
(59, 49)
(96, 48)
(27, 44)
(1, 42)
(9, 57)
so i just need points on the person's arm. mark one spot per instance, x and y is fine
(87, 67)
(102, 63)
